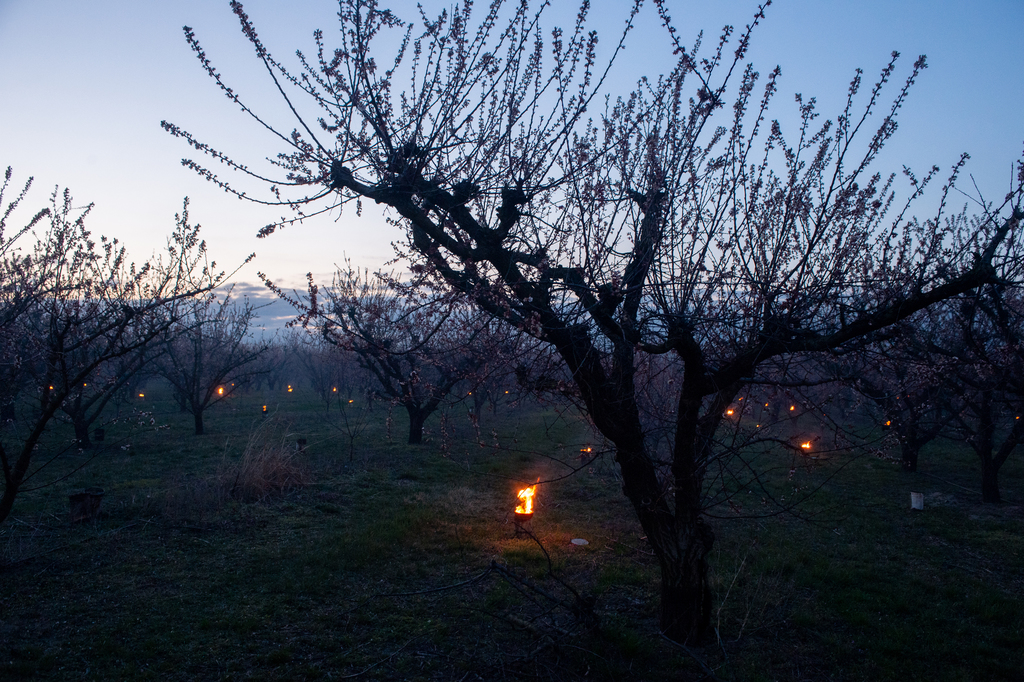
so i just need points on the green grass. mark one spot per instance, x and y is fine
(177, 580)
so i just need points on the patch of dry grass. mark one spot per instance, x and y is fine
(268, 466)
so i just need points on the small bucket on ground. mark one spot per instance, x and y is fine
(524, 525)
(85, 505)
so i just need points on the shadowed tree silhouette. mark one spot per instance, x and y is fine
(618, 225)
(71, 310)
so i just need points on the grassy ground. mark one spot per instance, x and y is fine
(189, 575)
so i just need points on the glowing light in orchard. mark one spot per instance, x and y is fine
(142, 395)
(792, 407)
(806, 445)
(289, 388)
(729, 412)
(220, 390)
(526, 495)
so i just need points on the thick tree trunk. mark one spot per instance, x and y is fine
(416, 420)
(479, 400)
(682, 544)
(198, 414)
(12, 481)
(685, 591)
(82, 434)
(989, 481)
(908, 459)
(7, 501)
(983, 444)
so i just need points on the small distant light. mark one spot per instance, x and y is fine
(806, 446)
(264, 409)
(729, 412)
(506, 392)
(142, 395)
(220, 391)
(335, 390)
(289, 388)
(766, 404)
(792, 407)
(351, 401)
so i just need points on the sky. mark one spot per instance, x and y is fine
(84, 86)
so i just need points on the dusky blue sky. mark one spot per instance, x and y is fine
(84, 86)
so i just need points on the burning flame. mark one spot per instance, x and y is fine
(806, 445)
(728, 411)
(526, 495)
(220, 391)
(142, 395)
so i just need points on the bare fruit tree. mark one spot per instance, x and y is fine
(905, 379)
(982, 344)
(72, 310)
(417, 345)
(617, 225)
(211, 353)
